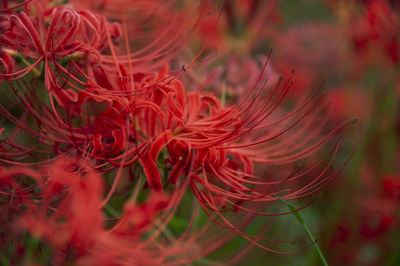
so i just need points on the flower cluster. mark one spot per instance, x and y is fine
(103, 142)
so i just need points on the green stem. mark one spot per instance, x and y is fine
(74, 57)
(223, 94)
(112, 211)
(307, 230)
(31, 247)
(19, 58)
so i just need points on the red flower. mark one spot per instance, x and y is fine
(378, 27)
(114, 111)
(391, 186)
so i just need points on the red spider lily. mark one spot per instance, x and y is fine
(69, 34)
(66, 213)
(61, 205)
(79, 36)
(365, 222)
(378, 26)
(87, 35)
(112, 115)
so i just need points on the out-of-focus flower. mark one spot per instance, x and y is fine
(237, 26)
(376, 213)
(231, 80)
(391, 185)
(377, 28)
(61, 207)
(317, 52)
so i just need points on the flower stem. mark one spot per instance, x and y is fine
(32, 244)
(19, 58)
(307, 230)
(223, 94)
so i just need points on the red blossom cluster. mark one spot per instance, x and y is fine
(101, 141)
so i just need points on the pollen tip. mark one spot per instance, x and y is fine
(293, 70)
(354, 120)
